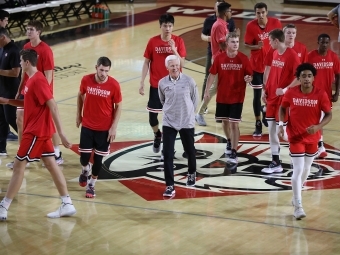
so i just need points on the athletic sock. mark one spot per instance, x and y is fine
(92, 181)
(66, 199)
(56, 151)
(6, 202)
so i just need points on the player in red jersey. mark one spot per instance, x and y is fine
(219, 33)
(41, 111)
(303, 133)
(45, 65)
(234, 71)
(99, 109)
(157, 49)
(256, 39)
(327, 64)
(284, 63)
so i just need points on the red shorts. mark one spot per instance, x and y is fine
(303, 149)
(32, 148)
(272, 113)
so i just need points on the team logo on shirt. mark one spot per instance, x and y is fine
(278, 63)
(98, 92)
(323, 65)
(263, 36)
(230, 66)
(135, 166)
(305, 102)
(162, 50)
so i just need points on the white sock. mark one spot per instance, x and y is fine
(57, 151)
(92, 181)
(273, 138)
(306, 169)
(66, 199)
(6, 202)
(86, 169)
(298, 165)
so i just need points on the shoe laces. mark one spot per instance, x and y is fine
(169, 188)
(191, 177)
(273, 164)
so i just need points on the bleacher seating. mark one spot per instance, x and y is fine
(52, 12)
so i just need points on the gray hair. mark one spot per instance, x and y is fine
(171, 57)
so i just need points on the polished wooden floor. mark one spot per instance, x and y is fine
(244, 213)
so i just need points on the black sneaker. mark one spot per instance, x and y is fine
(169, 191)
(3, 153)
(157, 142)
(12, 137)
(258, 129)
(264, 120)
(228, 147)
(233, 157)
(191, 180)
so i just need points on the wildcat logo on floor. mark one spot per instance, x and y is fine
(139, 169)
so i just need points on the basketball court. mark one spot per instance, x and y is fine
(243, 212)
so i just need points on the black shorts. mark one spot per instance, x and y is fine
(94, 140)
(257, 81)
(231, 112)
(154, 104)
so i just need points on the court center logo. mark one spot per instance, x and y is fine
(139, 169)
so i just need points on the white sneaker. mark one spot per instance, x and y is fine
(299, 213)
(321, 152)
(3, 213)
(200, 120)
(65, 210)
(206, 111)
(11, 164)
(274, 167)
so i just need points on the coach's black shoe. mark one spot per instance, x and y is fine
(12, 137)
(169, 191)
(157, 142)
(264, 120)
(3, 153)
(191, 180)
(258, 129)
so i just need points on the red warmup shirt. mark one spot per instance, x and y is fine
(298, 47)
(254, 34)
(156, 51)
(326, 69)
(45, 58)
(282, 73)
(99, 102)
(219, 33)
(231, 87)
(37, 118)
(304, 111)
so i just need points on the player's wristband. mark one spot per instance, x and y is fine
(280, 123)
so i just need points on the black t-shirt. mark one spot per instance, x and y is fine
(209, 22)
(10, 58)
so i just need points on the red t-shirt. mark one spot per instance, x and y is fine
(219, 33)
(326, 68)
(99, 102)
(254, 34)
(156, 51)
(304, 111)
(282, 73)
(231, 87)
(298, 47)
(45, 58)
(37, 117)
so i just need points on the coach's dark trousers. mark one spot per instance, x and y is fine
(169, 137)
(7, 116)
